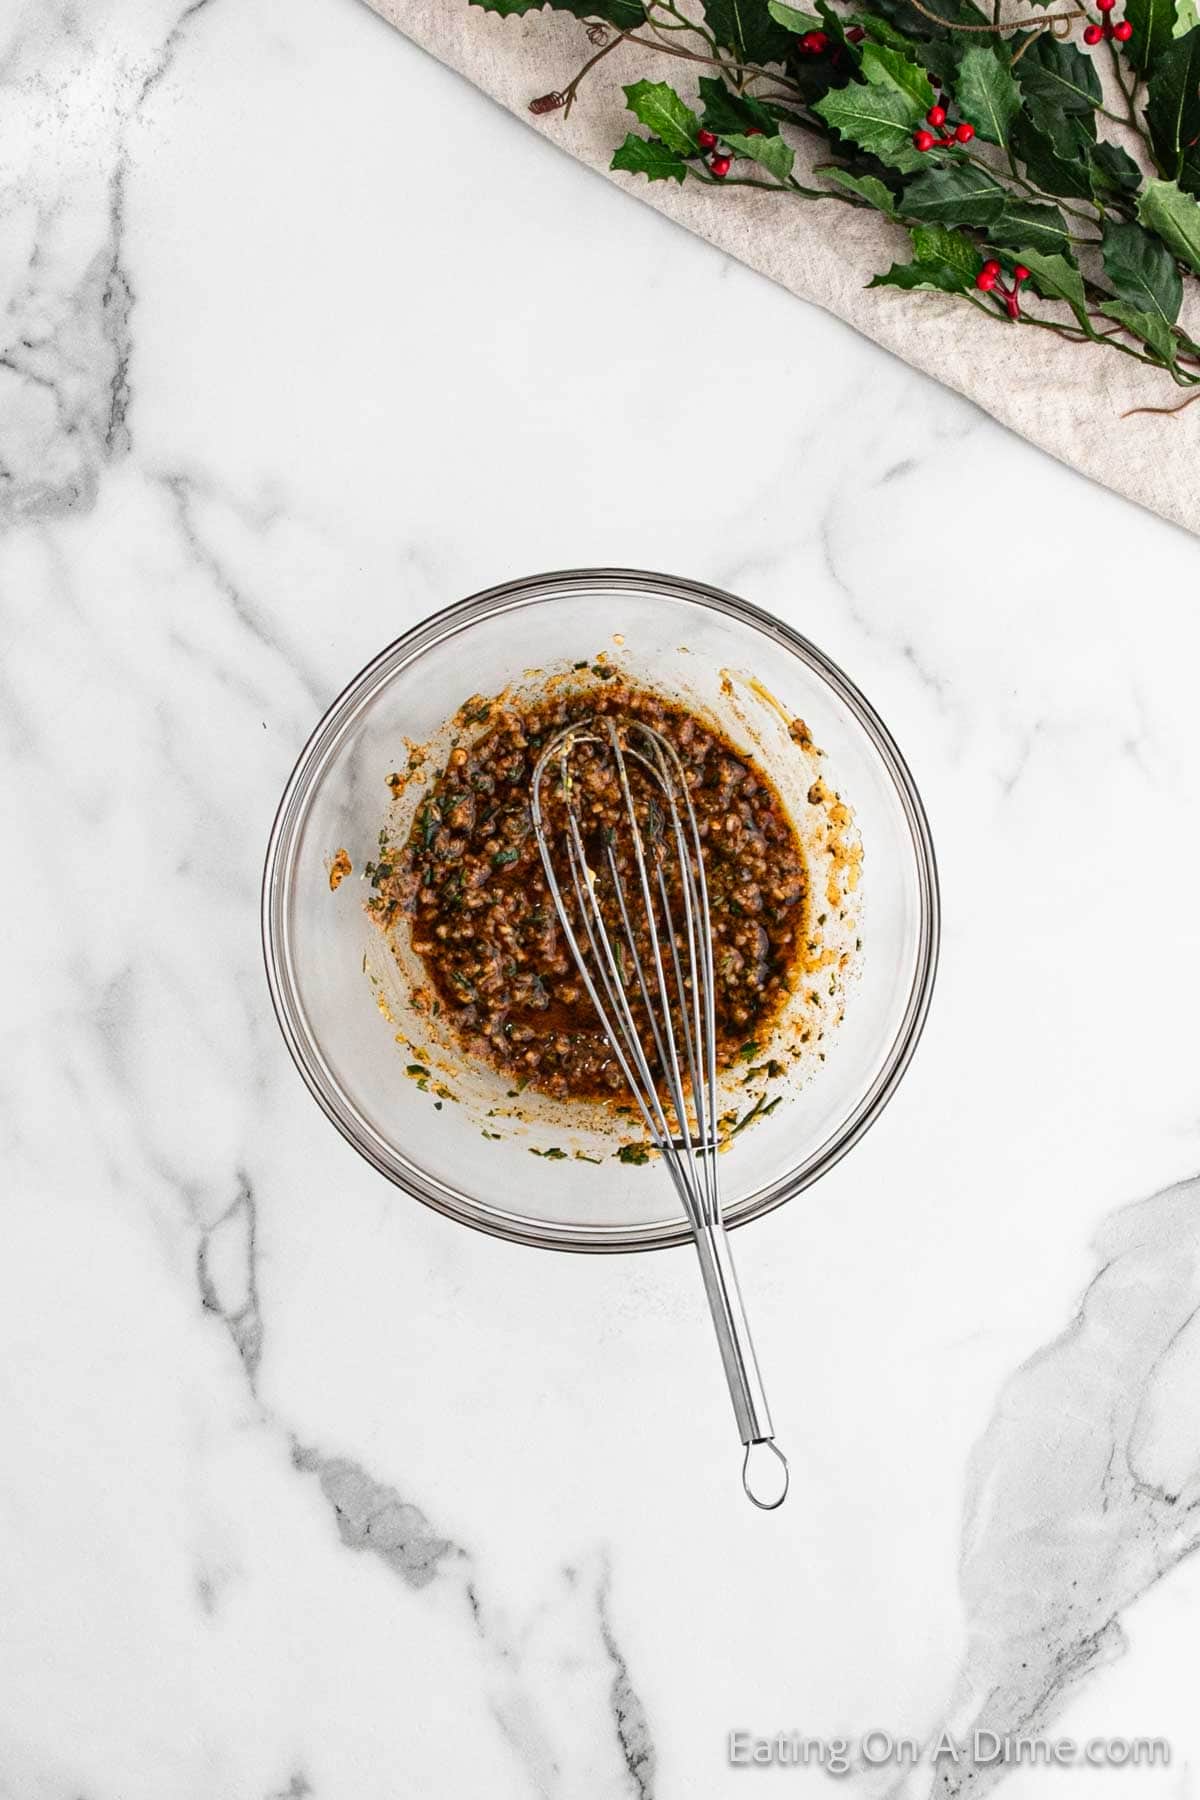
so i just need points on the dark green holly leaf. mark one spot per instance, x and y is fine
(880, 32)
(746, 28)
(1047, 170)
(868, 187)
(1156, 24)
(725, 111)
(884, 67)
(1113, 170)
(1173, 110)
(922, 277)
(1056, 279)
(626, 15)
(1071, 135)
(1060, 75)
(960, 195)
(1189, 174)
(944, 261)
(951, 249)
(646, 156)
(659, 108)
(987, 95)
(1175, 216)
(1142, 270)
(1149, 327)
(918, 23)
(878, 118)
(791, 19)
(771, 153)
(1040, 227)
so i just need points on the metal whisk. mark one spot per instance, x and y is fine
(673, 976)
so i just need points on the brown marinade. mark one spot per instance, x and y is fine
(471, 883)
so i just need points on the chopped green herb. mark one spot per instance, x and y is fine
(634, 1153)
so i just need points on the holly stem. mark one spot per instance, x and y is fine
(711, 62)
(1035, 20)
(572, 88)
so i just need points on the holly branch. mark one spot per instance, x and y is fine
(977, 135)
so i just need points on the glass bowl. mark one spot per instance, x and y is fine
(318, 943)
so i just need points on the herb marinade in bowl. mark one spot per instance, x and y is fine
(410, 937)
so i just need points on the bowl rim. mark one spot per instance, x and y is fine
(305, 776)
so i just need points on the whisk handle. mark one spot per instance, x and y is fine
(746, 1390)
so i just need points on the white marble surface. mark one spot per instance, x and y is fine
(307, 1492)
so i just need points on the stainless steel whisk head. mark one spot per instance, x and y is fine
(653, 988)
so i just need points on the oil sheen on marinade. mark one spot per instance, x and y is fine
(470, 879)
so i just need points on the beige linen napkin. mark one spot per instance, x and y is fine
(1066, 398)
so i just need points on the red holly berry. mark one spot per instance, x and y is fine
(986, 279)
(991, 267)
(1105, 5)
(707, 140)
(1092, 34)
(1123, 32)
(936, 115)
(814, 43)
(1020, 274)
(753, 131)
(720, 166)
(855, 34)
(964, 132)
(923, 140)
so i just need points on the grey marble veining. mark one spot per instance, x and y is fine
(309, 1495)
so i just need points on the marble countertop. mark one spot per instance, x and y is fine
(308, 1492)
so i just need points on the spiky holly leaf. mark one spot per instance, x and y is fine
(646, 156)
(626, 15)
(1070, 134)
(770, 153)
(834, 27)
(1052, 173)
(1113, 170)
(1175, 216)
(1173, 110)
(1142, 270)
(917, 23)
(1056, 279)
(960, 195)
(1149, 327)
(884, 67)
(1060, 75)
(792, 19)
(881, 32)
(659, 108)
(1040, 227)
(1156, 24)
(746, 28)
(953, 249)
(867, 187)
(944, 261)
(879, 118)
(987, 94)
(725, 111)
(920, 277)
